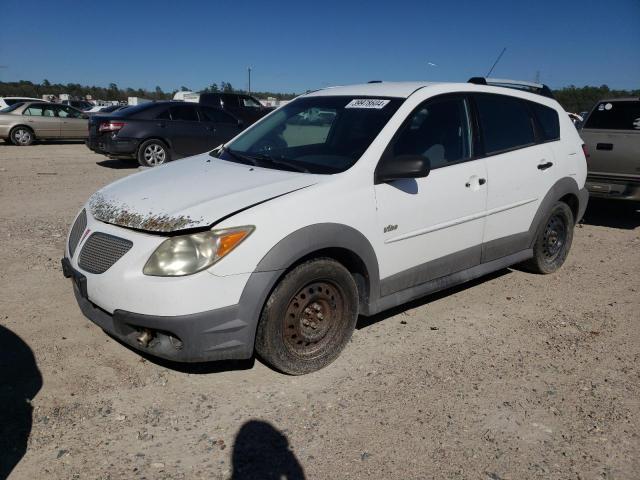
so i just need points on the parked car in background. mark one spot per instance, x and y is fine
(82, 105)
(157, 132)
(8, 101)
(612, 135)
(24, 123)
(245, 107)
(275, 242)
(99, 110)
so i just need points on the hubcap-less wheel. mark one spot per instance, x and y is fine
(312, 318)
(155, 154)
(22, 136)
(554, 238)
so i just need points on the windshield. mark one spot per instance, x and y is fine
(321, 134)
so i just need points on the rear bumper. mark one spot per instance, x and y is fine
(613, 188)
(217, 334)
(108, 145)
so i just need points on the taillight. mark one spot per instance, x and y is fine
(110, 126)
(586, 151)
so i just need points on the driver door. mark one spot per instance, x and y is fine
(431, 227)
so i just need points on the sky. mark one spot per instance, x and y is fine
(294, 46)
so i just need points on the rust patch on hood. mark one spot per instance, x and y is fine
(110, 211)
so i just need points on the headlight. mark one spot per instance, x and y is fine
(189, 254)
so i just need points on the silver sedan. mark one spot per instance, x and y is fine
(23, 123)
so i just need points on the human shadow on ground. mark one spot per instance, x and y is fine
(612, 213)
(260, 451)
(20, 381)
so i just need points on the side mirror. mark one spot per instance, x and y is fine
(402, 166)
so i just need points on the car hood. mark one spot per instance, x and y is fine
(191, 193)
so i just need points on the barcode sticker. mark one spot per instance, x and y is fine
(375, 103)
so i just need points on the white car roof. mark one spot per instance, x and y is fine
(380, 89)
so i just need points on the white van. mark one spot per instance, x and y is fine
(275, 242)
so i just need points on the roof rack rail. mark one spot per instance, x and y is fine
(532, 87)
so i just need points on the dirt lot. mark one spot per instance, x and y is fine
(514, 376)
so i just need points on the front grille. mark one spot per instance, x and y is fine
(76, 231)
(101, 251)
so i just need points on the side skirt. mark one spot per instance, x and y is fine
(441, 283)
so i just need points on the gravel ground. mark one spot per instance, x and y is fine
(513, 376)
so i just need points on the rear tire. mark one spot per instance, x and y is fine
(309, 317)
(22, 136)
(553, 241)
(153, 153)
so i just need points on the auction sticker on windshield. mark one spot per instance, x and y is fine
(367, 103)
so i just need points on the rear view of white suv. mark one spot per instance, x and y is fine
(275, 242)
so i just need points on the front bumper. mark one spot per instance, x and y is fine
(217, 334)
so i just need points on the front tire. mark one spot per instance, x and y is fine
(22, 136)
(153, 153)
(309, 317)
(553, 241)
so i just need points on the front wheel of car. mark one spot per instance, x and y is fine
(553, 242)
(22, 136)
(309, 317)
(153, 153)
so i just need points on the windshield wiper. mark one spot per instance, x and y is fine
(239, 157)
(281, 161)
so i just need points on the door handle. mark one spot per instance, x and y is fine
(604, 146)
(544, 166)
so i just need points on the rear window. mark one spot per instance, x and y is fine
(505, 123)
(548, 121)
(620, 115)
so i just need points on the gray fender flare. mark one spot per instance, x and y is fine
(291, 249)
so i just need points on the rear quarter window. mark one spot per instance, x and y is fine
(617, 115)
(548, 121)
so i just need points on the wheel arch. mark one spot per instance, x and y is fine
(342, 243)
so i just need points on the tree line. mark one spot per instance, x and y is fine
(25, 88)
(572, 98)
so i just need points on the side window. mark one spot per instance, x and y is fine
(68, 112)
(33, 110)
(216, 115)
(48, 111)
(164, 115)
(619, 115)
(439, 130)
(230, 101)
(185, 113)
(548, 120)
(505, 122)
(250, 102)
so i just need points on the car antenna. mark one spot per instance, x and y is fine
(497, 60)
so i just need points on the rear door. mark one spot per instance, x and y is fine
(41, 117)
(220, 126)
(72, 123)
(612, 135)
(185, 131)
(521, 169)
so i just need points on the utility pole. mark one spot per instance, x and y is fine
(249, 72)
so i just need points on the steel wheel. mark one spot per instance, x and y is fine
(554, 237)
(22, 136)
(312, 317)
(155, 154)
